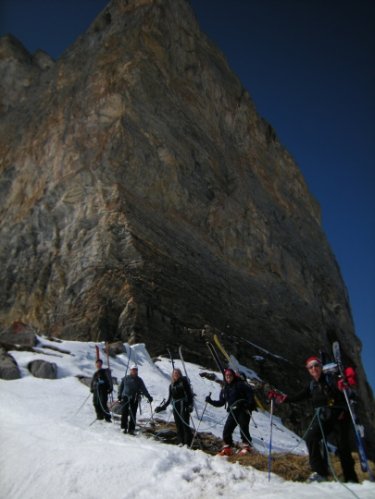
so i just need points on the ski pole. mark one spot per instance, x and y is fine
(151, 421)
(83, 403)
(199, 423)
(270, 442)
(318, 410)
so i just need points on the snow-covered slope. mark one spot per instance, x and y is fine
(52, 447)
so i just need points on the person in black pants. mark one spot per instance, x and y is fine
(100, 388)
(130, 390)
(239, 399)
(181, 396)
(332, 419)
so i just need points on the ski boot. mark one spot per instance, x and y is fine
(246, 449)
(316, 478)
(226, 451)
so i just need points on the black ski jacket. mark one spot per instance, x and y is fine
(322, 393)
(100, 382)
(131, 387)
(236, 395)
(180, 390)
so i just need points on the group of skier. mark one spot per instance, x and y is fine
(325, 390)
(236, 394)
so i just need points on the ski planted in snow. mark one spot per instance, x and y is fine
(357, 428)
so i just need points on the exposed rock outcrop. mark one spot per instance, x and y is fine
(142, 197)
(43, 369)
(8, 366)
(18, 336)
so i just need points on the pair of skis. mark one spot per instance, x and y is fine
(350, 403)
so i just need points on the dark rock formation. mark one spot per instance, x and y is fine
(142, 197)
(43, 369)
(18, 336)
(8, 366)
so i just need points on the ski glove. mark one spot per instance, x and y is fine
(150, 399)
(342, 385)
(190, 408)
(278, 397)
(160, 408)
(351, 376)
(208, 399)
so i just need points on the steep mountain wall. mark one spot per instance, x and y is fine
(143, 197)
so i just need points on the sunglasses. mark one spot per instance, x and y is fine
(314, 364)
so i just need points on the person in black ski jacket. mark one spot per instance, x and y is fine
(238, 397)
(331, 418)
(100, 388)
(130, 390)
(181, 396)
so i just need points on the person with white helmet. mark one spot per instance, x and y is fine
(130, 390)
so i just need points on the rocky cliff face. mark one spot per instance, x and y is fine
(143, 197)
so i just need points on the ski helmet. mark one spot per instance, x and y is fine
(311, 359)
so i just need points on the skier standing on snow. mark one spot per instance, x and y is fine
(181, 396)
(100, 388)
(130, 390)
(239, 398)
(331, 417)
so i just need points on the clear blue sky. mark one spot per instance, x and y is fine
(309, 66)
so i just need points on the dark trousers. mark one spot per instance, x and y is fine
(100, 400)
(337, 426)
(181, 416)
(241, 418)
(128, 414)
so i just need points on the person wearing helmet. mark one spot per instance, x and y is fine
(130, 390)
(238, 398)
